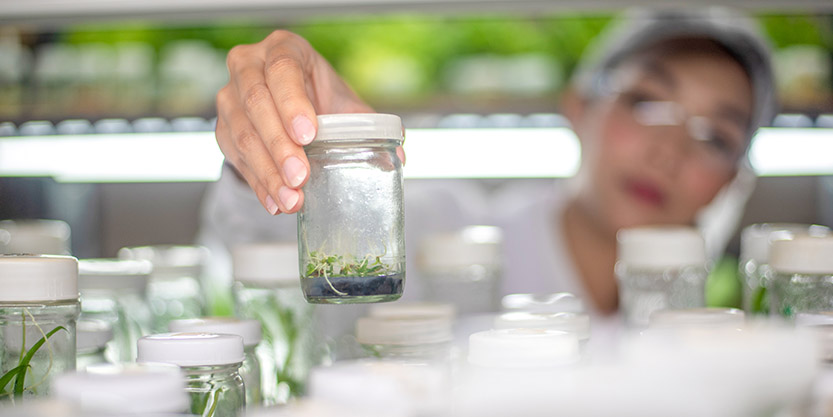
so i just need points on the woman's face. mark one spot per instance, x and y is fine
(660, 147)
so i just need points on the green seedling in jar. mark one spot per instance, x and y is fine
(24, 367)
(329, 276)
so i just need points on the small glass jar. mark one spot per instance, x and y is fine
(249, 330)
(125, 389)
(755, 272)
(174, 291)
(113, 290)
(211, 364)
(91, 341)
(49, 237)
(463, 268)
(267, 289)
(659, 268)
(576, 323)
(350, 229)
(803, 276)
(38, 310)
(425, 339)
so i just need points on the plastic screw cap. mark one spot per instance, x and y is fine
(560, 302)
(576, 323)
(756, 239)
(249, 330)
(114, 274)
(191, 349)
(473, 245)
(355, 126)
(406, 309)
(403, 331)
(38, 278)
(698, 317)
(803, 255)
(92, 334)
(661, 247)
(136, 388)
(523, 348)
(266, 264)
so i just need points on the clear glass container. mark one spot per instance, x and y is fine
(174, 290)
(249, 330)
(267, 289)
(38, 311)
(211, 365)
(803, 276)
(463, 268)
(754, 268)
(350, 228)
(113, 290)
(91, 341)
(659, 268)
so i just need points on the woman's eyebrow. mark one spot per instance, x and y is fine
(655, 70)
(733, 114)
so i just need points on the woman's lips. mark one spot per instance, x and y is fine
(645, 191)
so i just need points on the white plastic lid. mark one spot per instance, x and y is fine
(403, 331)
(756, 239)
(560, 302)
(266, 264)
(473, 245)
(124, 389)
(698, 317)
(169, 261)
(114, 274)
(523, 348)
(248, 329)
(38, 278)
(821, 318)
(660, 247)
(577, 323)
(413, 309)
(191, 349)
(304, 407)
(803, 255)
(50, 237)
(352, 126)
(91, 334)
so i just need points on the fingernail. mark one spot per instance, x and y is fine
(271, 206)
(401, 154)
(295, 171)
(304, 130)
(289, 197)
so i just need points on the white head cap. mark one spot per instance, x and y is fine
(38, 278)
(473, 245)
(191, 349)
(803, 255)
(403, 331)
(523, 348)
(124, 389)
(248, 329)
(821, 318)
(353, 126)
(169, 261)
(661, 247)
(266, 264)
(411, 309)
(92, 335)
(577, 323)
(698, 318)
(49, 237)
(756, 239)
(113, 274)
(560, 302)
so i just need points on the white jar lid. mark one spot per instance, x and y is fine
(577, 323)
(124, 389)
(248, 329)
(523, 348)
(352, 126)
(821, 318)
(473, 245)
(413, 309)
(403, 331)
(114, 274)
(191, 349)
(659, 247)
(50, 237)
(169, 261)
(38, 278)
(803, 255)
(266, 264)
(756, 239)
(560, 302)
(698, 317)
(91, 334)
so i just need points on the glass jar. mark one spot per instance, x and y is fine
(803, 275)
(113, 290)
(249, 330)
(560, 302)
(463, 268)
(211, 364)
(50, 237)
(38, 310)
(755, 273)
(350, 228)
(124, 389)
(267, 289)
(659, 268)
(415, 339)
(174, 291)
(91, 341)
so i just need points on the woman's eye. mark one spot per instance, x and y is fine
(722, 145)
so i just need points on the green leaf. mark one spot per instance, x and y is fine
(7, 377)
(24, 363)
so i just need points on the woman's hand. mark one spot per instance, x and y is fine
(266, 114)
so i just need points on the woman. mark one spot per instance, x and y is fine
(664, 111)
